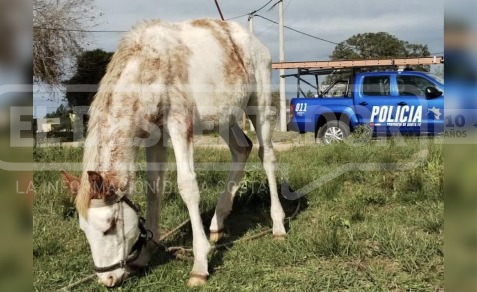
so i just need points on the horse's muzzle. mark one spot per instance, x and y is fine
(113, 278)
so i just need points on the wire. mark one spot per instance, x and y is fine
(251, 13)
(273, 6)
(255, 11)
(235, 17)
(80, 30)
(300, 32)
(284, 10)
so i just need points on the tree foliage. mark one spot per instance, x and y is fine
(90, 68)
(63, 113)
(58, 35)
(64, 130)
(381, 45)
(375, 46)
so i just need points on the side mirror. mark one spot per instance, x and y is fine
(432, 92)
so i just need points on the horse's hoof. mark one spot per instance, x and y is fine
(197, 280)
(215, 236)
(280, 236)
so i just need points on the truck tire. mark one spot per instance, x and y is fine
(333, 131)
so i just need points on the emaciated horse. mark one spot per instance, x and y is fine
(164, 83)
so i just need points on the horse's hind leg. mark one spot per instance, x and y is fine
(263, 121)
(180, 131)
(240, 147)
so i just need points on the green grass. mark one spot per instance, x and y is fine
(362, 231)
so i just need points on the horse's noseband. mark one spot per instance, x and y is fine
(140, 242)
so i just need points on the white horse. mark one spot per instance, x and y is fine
(164, 83)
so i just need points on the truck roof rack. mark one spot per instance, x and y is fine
(347, 64)
(351, 67)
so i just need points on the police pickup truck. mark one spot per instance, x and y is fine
(385, 102)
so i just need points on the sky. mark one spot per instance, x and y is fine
(420, 22)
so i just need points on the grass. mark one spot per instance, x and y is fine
(362, 231)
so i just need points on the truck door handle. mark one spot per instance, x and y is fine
(363, 103)
(402, 103)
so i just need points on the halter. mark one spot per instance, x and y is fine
(138, 245)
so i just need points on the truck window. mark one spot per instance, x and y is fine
(376, 86)
(413, 85)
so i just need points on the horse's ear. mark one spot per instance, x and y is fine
(101, 185)
(72, 182)
(96, 181)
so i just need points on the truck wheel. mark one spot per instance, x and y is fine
(333, 131)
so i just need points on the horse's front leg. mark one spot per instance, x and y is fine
(156, 156)
(181, 137)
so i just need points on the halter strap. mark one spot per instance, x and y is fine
(111, 200)
(138, 245)
(133, 206)
(133, 255)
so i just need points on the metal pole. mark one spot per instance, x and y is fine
(281, 52)
(218, 8)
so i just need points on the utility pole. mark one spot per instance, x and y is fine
(250, 23)
(281, 53)
(244, 117)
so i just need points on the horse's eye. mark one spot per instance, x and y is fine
(111, 228)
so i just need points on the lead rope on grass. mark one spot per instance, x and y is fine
(74, 284)
(180, 252)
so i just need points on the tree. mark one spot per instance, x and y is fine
(64, 130)
(90, 68)
(379, 45)
(375, 46)
(63, 113)
(58, 34)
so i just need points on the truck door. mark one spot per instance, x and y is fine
(412, 89)
(378, 106)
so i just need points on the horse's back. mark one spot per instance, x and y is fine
(211, 66)
(213, 52)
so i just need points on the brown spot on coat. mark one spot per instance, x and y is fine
(135, 107)
(234, 66)
(189, 129)
(201, 23)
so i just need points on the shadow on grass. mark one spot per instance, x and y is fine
(250, 215)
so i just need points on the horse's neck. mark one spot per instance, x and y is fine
(109, 147)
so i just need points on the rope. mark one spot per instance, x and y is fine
(67, 288)
(177, 228)
(180, 252)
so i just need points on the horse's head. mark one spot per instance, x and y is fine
(110, 222)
